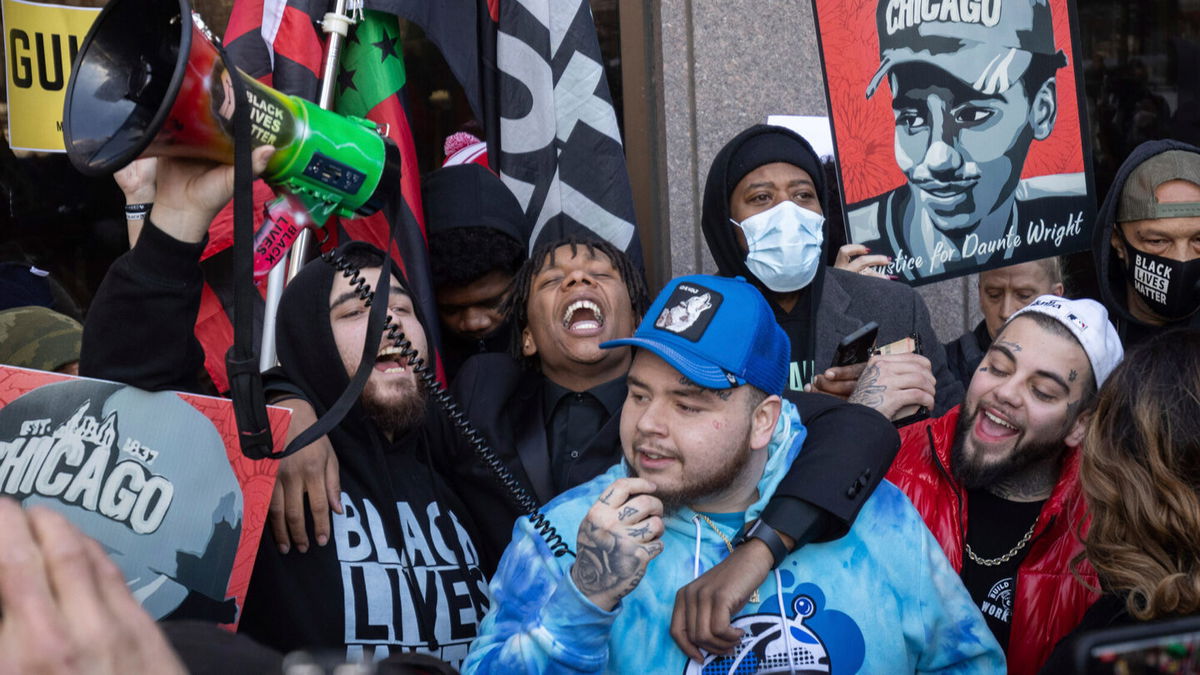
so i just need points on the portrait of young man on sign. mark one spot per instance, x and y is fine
(978, 103)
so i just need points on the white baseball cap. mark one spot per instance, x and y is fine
(1088, 322)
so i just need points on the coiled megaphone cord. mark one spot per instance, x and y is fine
(517, 492)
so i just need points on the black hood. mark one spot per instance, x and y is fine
(1109, 272)
(304, 339)
(760, 144)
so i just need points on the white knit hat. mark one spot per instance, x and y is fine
(1088, 322)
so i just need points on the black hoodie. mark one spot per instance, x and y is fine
(844, 301)
(469, 195)
(401, 571)
(1110, 271)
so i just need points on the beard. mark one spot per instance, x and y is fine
(973, 474)
(395, 415)
(702, 483)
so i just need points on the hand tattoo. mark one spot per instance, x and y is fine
(867, 392)
(626, 512)
(604, 498)
(638, 532)
(605, 563)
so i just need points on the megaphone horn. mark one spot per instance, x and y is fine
(148, 81)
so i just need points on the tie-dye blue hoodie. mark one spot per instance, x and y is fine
(882, 599)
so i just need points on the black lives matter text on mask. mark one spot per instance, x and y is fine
(1151, 279)
(78, 463)
(419, 590)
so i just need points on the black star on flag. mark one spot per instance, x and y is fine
(387, 47)
(346, 80)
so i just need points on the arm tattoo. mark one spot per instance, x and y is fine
(1012, 346)
(867, 392)
(626, 512)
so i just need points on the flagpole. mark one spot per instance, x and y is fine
(337, 23)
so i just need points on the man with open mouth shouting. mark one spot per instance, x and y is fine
(398, 570)
(996, 479)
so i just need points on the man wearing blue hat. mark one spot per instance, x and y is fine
(706, 438)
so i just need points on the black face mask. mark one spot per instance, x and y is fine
(1170, 288)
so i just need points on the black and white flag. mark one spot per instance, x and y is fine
(559, 146)
(534, 75)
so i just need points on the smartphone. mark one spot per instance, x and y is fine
(856, 347)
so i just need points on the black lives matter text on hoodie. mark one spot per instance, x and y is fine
(1110, 270)
(401, 571)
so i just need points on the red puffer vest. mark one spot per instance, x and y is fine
(1049, 601)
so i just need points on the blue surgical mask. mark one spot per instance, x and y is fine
(784, 245)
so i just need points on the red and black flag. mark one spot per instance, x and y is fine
(279, 43)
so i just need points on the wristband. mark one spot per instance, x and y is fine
(760, 530)
(138, 211)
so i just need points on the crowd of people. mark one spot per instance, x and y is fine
(732, 499)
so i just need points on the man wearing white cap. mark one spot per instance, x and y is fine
(996, 479)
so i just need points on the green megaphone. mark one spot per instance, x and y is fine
(148, 81)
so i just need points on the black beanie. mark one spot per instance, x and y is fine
(774, 144)
(469, 195)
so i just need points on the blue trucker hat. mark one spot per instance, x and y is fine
(718, 332)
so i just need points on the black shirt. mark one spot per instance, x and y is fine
(572, 421)
(995, 527)
(798, 324)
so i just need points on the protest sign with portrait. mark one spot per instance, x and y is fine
(957, 124)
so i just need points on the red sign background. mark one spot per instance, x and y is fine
(864, 129)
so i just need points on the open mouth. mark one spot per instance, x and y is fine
(994, 427)
(390, 360)
(583, 317)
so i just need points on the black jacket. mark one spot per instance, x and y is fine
(848, 450)
(1110, 271)
(965, 354)
(401, 572)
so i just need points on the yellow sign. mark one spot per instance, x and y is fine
(40, 43)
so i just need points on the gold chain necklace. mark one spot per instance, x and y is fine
(992, 562)
(728, 545)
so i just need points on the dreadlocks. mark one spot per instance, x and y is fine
(516, 306)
